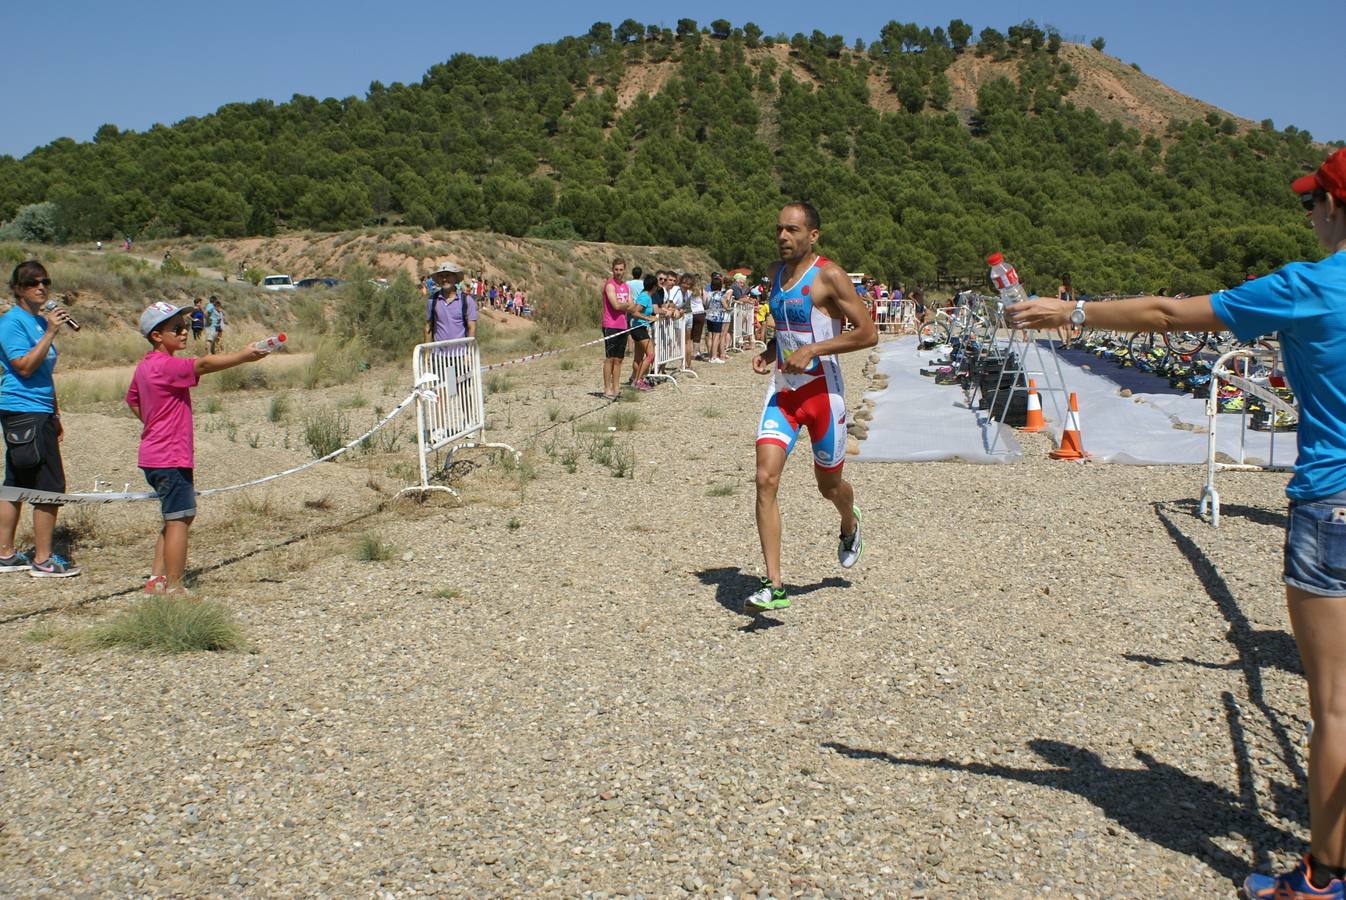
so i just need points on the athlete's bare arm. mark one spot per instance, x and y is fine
(611, 293)
(834, 293)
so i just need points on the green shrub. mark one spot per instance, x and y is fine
(278, 409)
(336, 360)
(169, 624)
(207, 255)
(371, 548)
(625, 419)
(326, 431)
(174, 266)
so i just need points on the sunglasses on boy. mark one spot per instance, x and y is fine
(180, 328)
(32, 283)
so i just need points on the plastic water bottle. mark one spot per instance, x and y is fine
(271, 344)
(1006, 280)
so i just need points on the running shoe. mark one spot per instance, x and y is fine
(643, 385)
(851, 546)
(17, 561)
(156, 585)
(767, 597)
(1292, 885)
(54, 566)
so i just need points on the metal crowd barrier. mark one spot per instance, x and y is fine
(1225, 372)
(741, 337)
(667, 337)
(450, 409)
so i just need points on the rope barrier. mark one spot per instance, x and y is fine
(23, 495)
(532, 356)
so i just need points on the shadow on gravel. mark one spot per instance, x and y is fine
(732, 586)
(1276, 518)
(1159, 803)
(1271, 648)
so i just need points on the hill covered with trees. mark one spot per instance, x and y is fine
(923, 150)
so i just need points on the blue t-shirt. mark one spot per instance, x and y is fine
(646, 305)
(1306, 303)
(20, 331)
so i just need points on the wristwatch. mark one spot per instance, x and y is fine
(1077, 314)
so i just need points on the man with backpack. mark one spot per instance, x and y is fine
(450, 312)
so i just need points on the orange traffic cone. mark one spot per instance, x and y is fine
(1034, 421)
(1071, 445)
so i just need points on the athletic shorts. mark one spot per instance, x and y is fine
(640, 334)
(813, 407)
(177, 494)
(49, 473)
(1315, 546)
(714, 327)
(614, 343)
(698, 326)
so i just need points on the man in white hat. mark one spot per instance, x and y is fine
(450, 312)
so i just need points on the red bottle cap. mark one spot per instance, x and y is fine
(994, 259)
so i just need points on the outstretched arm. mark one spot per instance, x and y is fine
(1137, 314)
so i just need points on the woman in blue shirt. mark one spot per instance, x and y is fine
(1306, 304)
(31, 421)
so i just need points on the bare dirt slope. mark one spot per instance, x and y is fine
(1045, 679)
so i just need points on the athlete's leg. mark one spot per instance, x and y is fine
(1318, 623)
(839, 491)
(770, 463)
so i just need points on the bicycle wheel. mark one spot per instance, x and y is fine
(933, 334)
(1186, 343)
(1141, 346)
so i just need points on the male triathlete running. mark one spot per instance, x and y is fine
(810, 296)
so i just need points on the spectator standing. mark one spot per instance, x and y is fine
(696, 303)
(1305, 304)
(742, 300)
(642, 310)
(615, 303)
(198, 319)
(636, 283)
(717, 315)
(160, 396)
(31, 420)
(450, 312)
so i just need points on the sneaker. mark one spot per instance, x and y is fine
(1292, 885)
(643, 385)
(156, 585)
(851, 546)
(53, 567)
(17, 561)
(767, 597)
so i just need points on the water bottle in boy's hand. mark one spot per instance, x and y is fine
(268, 345)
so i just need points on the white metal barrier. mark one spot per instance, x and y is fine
(450, 410)
(741, 337)
(1226, 371)
(666, 335)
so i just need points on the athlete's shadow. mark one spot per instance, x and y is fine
(1158, 803)
(732, 586)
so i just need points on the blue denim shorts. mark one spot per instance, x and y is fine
(177, 495)
(1315, 546)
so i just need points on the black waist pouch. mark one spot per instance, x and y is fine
(21, 431)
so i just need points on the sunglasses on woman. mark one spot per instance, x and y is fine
(44, 282)
(1311, 200)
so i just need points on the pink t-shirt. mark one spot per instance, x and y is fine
(161, 387)
(613, 318)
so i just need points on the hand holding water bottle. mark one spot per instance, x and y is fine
(271, 344)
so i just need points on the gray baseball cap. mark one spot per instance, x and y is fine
(157, 314)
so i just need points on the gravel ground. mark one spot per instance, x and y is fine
(1045, 679)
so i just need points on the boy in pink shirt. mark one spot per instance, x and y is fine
(160, 396)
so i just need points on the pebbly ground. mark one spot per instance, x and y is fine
(1044, 679)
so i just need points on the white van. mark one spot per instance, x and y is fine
(277, 283)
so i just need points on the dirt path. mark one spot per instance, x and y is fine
(1044, 679)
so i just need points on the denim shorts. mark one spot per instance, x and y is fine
(177, 495)
(1315, 546)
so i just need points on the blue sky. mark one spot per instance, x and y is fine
(71, 66)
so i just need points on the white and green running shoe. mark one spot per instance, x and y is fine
(851, 546)
(766, 597)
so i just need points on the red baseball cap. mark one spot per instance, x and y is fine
(1330, 177)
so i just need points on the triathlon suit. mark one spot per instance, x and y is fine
(816, 398)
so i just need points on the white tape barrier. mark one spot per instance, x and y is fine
(544, 353)
(1225, 371)
(23, 495)
(450, 408)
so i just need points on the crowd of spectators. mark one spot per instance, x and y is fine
(500, 295)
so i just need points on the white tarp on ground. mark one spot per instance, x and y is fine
(916, 420)
(1140, 429)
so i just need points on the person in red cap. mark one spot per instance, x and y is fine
(1305, 302)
